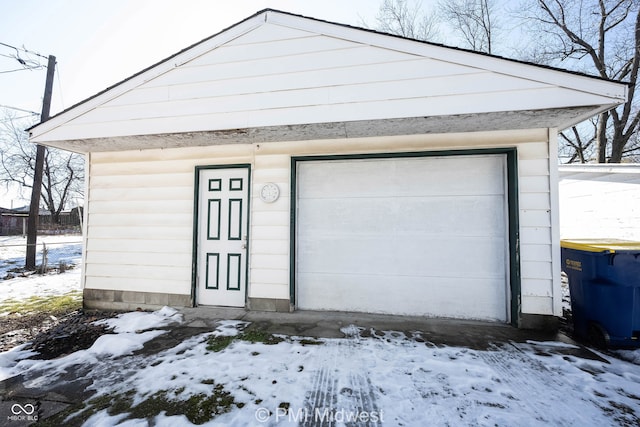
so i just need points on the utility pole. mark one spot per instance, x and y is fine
(34, 207)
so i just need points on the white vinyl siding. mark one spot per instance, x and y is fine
(284, 77)
(269, 248)
(140, 217)
(140, 210)
(535, 230)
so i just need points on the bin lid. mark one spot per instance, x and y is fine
(600, 245)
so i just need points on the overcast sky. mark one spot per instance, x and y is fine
(99, 43)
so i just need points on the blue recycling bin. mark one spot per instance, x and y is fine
(604, 282)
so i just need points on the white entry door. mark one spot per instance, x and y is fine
(222, 236)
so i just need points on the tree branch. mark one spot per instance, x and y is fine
(561, 23)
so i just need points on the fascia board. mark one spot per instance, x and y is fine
(596, 110)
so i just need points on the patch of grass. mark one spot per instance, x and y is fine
(307, 341)
(53, 305)
(60, 418)
(199, 408)
(220, 342)
(76, 415)
(258, 335)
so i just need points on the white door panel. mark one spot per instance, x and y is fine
(421, 235)
(222, 236)
(403, 295)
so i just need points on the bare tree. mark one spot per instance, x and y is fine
(599, 37)
(632, 149)
(407, 18)
(475, 20)
(577, 144)
(602, 37)
(63, 172)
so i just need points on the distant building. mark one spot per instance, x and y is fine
(600, 201)
(14, 221)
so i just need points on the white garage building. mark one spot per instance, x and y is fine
(290, 163)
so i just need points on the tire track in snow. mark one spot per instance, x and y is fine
(321, 397)
(341, 388)
(547, 398)
(358, 398)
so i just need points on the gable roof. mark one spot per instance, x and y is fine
(278, 76)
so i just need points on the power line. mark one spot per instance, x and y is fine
(59, 85)
(24, 50)
(27, 63)
(9, 46)
(40, 67)
(22, 117)
(33, 113)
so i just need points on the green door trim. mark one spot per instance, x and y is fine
(196, 201)
(511, 153)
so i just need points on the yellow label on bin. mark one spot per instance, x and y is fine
(573, 265)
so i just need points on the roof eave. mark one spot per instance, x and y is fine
(393, 127)
(587, 115)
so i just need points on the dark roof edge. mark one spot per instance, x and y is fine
(548, 67)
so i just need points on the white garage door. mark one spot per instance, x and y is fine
(417, 236)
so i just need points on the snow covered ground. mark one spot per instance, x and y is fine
(63, 248)
(382, 378)
(385, 379)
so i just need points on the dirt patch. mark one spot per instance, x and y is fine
(53, 325)
(75, 332)
(53, 330)
(22, 320)
(16, 329)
